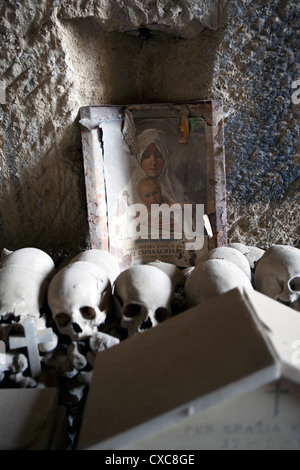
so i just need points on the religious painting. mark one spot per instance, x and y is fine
(155, 180)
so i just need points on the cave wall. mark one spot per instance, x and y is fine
(58, 56)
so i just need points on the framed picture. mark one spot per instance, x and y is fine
(155, 180)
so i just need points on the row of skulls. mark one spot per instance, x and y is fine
(83, 294)
(91, 291)
(274, 272)
(90, 288)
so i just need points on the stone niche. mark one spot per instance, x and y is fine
(59, 56)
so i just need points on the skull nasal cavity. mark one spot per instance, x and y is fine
(88, 313)
(294, 284)
(132, 310)
(76, 328)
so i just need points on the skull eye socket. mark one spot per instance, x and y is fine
(132, 310)
(88, 313)
(294, 284)
(161, 314)
(62, 319)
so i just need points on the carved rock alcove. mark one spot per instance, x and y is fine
(141, 52)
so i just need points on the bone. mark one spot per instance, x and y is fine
(174, 273)
(6, 364)
(143, 293)
(78, 361)
(22, 291)
(229, 254)
(23, 381)
(19, 365)
(100, 341)
(32, 258)
(80, 298)
(277, 275)
(211, 278)
(251, 253)
(101, 258)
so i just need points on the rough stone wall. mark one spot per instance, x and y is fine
(57, 56)
(184, 18)
(255, 67)
(41, 182)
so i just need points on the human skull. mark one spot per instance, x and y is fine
(277, 275)
(174, 273)
(79, 297)
(144, 293)
(211, 278)
(252, 253)
(32, 258)
(229, 254)
(22, 291)
(102, 258)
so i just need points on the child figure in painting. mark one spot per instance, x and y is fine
(150, 192)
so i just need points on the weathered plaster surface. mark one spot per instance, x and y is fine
(57, 56)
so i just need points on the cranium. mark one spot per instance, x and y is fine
(277, 275)
(228, 254)
(252, 253)
(24, 278)
(102, 258)
(178, 280)
(79, 297)
(144, 293)
(32, 258)
(174, 273)
(22, 291)
(211, 278)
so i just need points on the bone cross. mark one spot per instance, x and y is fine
(31, 341)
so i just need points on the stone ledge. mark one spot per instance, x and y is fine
(180, 18)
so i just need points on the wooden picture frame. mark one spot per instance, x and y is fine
(187, 143)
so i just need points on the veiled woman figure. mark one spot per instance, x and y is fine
(153, 161)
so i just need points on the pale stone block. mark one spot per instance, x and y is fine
(207, 355)
(265, 419)
(281, 324)
(29, 418)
